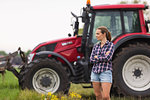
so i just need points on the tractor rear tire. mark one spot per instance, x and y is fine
(131, 70)
(45, 75)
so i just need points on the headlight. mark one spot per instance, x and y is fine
(30, 57)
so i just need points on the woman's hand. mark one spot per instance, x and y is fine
(107, 53)
(95, 57)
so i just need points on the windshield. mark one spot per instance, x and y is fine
(109, 19)
(115, 24)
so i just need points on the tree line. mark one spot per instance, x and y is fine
(3, 53)
(16, 60)
(134, 1)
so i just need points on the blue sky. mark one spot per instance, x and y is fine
(26, 23)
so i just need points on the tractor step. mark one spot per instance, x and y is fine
(91, 86)
(87, 86)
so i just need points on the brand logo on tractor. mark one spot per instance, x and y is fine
(66, 43)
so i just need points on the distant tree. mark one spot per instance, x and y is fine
(3, 53)
(80, 32)
(145, 2)
(28, 52)
(136, 1)
(123, 2)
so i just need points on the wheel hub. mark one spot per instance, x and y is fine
(137, 73)
(45, 81)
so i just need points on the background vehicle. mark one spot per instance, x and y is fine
(53, 65)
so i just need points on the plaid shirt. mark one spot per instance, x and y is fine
(103, 62)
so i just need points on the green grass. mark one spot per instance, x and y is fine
(87, 94)
(9, 90)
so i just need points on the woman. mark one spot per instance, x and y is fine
(101, 57)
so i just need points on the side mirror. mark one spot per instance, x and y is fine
(76, 24)
(84, 14)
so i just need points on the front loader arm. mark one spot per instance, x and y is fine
(7, 62)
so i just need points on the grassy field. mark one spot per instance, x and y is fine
(9, 90)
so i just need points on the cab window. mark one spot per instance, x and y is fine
(131, 21)
(110, 19)
(117, 21)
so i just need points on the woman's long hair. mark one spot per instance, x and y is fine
(105, 30)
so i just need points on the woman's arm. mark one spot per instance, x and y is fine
(108, 56)
(92, 59)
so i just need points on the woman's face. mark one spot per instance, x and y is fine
(99, 35)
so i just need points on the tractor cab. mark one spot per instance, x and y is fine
(119, 19)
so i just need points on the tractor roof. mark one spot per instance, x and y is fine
(121, 6)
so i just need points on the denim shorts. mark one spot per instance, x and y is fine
(105, 76)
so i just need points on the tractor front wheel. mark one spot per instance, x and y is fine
(45, 75)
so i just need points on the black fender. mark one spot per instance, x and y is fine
(44, 54)
(132, 37)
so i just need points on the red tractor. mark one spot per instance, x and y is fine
(52, 66)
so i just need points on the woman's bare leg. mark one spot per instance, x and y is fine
(97, 90)
(106, 90)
